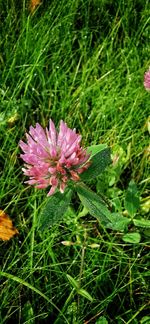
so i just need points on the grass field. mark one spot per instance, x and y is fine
(82, 61)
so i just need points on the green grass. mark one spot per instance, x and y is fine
(81, 61)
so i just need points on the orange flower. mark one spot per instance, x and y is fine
(7, 230)
(33, 4)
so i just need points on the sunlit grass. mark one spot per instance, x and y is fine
(83, 62)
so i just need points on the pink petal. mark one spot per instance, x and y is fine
(53, 181)
(52, 133)
(147, 80)
(52, 191)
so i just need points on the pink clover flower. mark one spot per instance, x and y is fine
(53, 158)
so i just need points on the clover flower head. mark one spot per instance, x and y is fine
(147, 80)
(53, 158)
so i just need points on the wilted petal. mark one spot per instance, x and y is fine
(74, 175)
(62, 187)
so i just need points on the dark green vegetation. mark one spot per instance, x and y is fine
(81, 61)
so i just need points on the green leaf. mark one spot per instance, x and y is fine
(94, 203)
(102, 320)
(98, 208)
(100, 159)
(73, 282)
(142, 222)
(27, 313)
(54, 209)
(145, 320)
(146, 232)
(132, 237)
(132, 201)
(94, 149)
(80, 291)
(118, 222)
(85, 294)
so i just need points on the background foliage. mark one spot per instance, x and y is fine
(82, 61)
